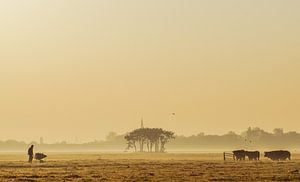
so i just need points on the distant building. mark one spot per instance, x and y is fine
(41, 140)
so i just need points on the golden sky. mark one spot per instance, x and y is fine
(79, 69)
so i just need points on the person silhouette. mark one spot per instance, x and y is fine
(30, 153)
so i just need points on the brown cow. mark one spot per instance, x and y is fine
(239, 155)
(252, 155)
(278, 155)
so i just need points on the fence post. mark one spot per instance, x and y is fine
(224, 156)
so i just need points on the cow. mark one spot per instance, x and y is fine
(239, 155)
(278, 155)
(252, 155)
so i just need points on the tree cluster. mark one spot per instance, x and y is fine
(252, 139)
(149, 138)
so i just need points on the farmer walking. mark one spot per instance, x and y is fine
(30, 153)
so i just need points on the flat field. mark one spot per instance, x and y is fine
(145, 167)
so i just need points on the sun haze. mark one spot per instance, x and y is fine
(75, 70)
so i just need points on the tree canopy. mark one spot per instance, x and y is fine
(150, 138)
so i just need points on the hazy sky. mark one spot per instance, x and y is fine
(82, 68)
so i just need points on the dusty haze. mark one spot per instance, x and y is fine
(75, 70)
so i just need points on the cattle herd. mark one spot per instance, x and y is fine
(276, 155)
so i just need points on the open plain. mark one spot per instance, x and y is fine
(145, 167)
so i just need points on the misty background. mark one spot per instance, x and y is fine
(74, 70)
(251, 139)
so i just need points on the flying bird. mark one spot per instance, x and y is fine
(250, 141)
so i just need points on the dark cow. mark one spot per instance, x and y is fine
(239, 155)
(252, 155)
(278, 155)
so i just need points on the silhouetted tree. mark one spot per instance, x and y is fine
(278, 132)
(156, 137)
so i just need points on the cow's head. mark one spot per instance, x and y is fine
(267, 154)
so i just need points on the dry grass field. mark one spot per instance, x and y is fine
(145, 167)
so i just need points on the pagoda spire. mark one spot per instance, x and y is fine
(142, 123)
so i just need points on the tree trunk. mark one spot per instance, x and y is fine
(162, 147)
(157, 146)
(148, 147)
(151, 146)
(134, 146)
(142, 146)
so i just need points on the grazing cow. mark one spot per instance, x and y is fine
(239, 155)
(278, 155)
(252, 155)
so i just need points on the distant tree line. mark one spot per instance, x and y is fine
(252, 139)
(149, 138)
(155, 140)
